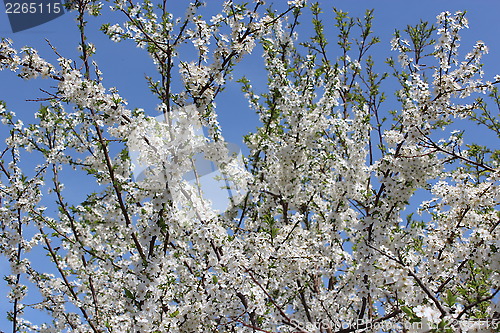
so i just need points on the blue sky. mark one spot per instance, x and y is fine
(124, 65)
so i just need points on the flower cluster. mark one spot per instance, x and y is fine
(336, 214)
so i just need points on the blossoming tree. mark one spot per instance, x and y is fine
(326, 236)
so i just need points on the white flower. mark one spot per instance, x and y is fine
(296, 3)
(427, 312)
(393, 137)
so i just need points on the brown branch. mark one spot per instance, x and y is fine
(479, 301)
(66, 282)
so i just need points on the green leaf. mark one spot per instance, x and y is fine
(450, 298)
(129, 294)
(408, 311)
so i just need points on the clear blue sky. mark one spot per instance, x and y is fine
(124, 65)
